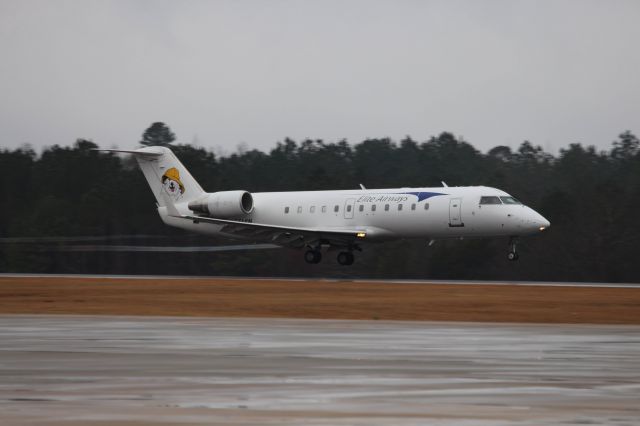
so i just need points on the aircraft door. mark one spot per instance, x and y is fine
(349, 207)
(455, 212)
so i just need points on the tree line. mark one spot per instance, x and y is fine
(62, 205)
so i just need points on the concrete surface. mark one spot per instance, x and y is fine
(342, 280)
(75, 370)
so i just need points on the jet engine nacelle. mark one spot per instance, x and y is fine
(223, 204)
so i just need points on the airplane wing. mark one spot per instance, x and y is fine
(163, 249)
(283, 235)
(276, 234)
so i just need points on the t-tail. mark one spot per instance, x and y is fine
(166, 175)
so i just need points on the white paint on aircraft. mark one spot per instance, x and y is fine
(343, 219)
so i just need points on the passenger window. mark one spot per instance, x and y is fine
(299, 209)
(286, 210)
(373, 207)
(426, 206)
(336, 208)
(386, 207)
(312, 209)
(490, 200)
(324, 209)
(413, 206)
(399, 207)
(510, 200)
(361, 207)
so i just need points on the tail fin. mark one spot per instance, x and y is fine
(165, 174)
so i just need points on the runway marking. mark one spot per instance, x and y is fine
(332, 280)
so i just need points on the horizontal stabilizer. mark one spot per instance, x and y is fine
(144, 152)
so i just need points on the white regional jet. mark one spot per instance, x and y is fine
(321, 220)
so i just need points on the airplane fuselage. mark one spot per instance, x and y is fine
(383, 214)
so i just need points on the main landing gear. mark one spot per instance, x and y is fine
(345, 258)
(314, 256)
(513, 253)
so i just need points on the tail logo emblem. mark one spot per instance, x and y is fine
(171, 182)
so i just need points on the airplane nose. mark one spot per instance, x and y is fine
(535, 222)
(544, 224)
(540, 222)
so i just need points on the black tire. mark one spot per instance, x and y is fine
(312, 256)
(345, 258)
(351, 258)
(513, 256)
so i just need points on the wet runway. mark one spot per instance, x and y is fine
(58, 370)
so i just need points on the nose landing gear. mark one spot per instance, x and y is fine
(513, 253)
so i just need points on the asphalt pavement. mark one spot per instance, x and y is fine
(105, 370)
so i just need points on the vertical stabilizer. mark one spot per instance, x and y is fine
(165, 173)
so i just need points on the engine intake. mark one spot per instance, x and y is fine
(223, 204)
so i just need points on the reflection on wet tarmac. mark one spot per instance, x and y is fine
(124, 370)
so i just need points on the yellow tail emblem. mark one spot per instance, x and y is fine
(171, 181)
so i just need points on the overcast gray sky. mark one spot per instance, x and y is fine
(223, 73)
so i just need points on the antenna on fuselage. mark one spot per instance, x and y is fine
(362, 187)
(444, 184)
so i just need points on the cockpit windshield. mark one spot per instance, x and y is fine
(510, 200)
(490, 200)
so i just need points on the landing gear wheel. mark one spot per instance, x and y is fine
(312, 256)
(345, 258)
(513, 253)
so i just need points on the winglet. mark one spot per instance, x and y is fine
(171, 207)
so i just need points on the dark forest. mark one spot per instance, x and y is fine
(59, 207)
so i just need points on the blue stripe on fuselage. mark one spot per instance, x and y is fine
(423, 195)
